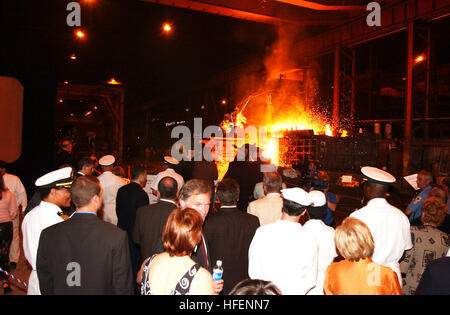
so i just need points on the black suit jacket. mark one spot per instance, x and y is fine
(149, 225)
(197, 255)
(247, 174)
(129, 198)
(436, 278)
(229, 232)
(87, 249)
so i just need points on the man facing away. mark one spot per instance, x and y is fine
(84, 255)
(284, 252)
(388, 225)
(85, 166)
(129, 198)
(324, 236)
(230, 232)
(110, 185)
(269, 208)
(150, 219)
(54, 191)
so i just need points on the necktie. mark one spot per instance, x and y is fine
(205, 258)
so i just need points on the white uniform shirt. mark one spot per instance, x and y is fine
(38, 219)
(168, 173)
(324, 236)
(284, 253)
(110, 185)
(14, 185)
(390, 230)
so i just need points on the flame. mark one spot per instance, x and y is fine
(328, 130)
(344, 133)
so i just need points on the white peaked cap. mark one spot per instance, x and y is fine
(107, 160)
(318, 198)
(171, 160)
(58, 178)
(377, 175)
(296, 195)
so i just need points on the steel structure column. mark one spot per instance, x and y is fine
(336, 86)
(409, 99)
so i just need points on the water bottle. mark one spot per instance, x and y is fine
(218, 271)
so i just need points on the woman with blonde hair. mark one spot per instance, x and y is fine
(357, 274)
(173, 272)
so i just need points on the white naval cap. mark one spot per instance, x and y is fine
(171, 160)
(296, 195)
(59, 178)
(377, 175)
(107, 160)
(318, 198)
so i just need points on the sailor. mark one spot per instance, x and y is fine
(388, 225)
(110, 184)
(54, 189)
(170, 163)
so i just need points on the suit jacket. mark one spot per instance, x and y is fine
(230, 232)
(247, 174)
(436, 278)
(149, 225)
(84, 255)
(129, 198)
(268, 209)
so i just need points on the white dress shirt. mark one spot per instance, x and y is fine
(284, 253)
(324, 236)
(13, 183)
(390, 230)
(110, 185)
(38, 219)
(168, 173)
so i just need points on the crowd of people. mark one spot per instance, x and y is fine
(87, 230)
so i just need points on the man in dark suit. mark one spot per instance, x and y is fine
(229, 232)
(129, 198)
(150, 219)
(84, 255)
(245, 170)
(197, 194)
(85, 166)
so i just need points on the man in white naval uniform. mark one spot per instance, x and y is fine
(284, 252)
(324, 236)
(14, 185)
(389, 226)
(170, 172)
(110, 184)
(54, 189)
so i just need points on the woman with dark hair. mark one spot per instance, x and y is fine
(173, 272)
(8, 212)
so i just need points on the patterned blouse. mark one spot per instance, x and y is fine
(429, 243)
(183, 286)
